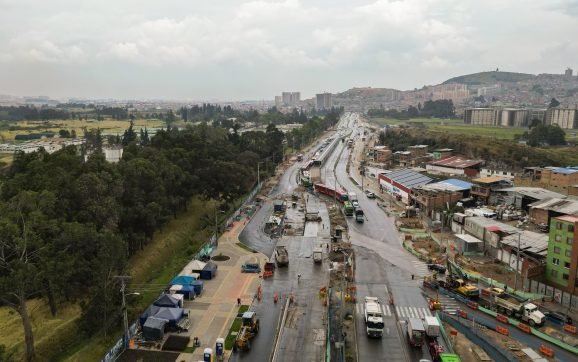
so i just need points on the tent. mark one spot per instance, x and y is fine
(197, 266)
(188, 291)
(167, 300)
(182, 280)
(172, 315)
(194, 266)
(197, 286)
(154, 329)
(209, 271)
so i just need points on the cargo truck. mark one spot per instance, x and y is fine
(281, 256)
(518, 307)
(416, 332)
(373, 317)
(432, 326)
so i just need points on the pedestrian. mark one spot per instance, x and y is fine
(239, 301)
(412, 277)
(323, 226)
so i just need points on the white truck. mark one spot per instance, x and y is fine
(373, 317)
(432, 326)
(518, 307)
(317, 255)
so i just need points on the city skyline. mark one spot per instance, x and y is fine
(253, 50)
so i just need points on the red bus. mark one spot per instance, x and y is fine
(340, 194)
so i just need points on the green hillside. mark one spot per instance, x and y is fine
(489, 78)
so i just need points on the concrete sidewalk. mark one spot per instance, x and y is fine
(213, 312)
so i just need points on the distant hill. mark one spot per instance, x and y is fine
(484, 78)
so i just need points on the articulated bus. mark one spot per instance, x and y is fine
(340, 195)
(348, 208)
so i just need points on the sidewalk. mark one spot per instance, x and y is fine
(213, 312)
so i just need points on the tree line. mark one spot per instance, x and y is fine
(443, 108)
(69, 224)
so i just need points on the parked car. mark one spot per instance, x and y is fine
(558, 318)
(437, 267)
(495, 291)
(370, 195)
(355, 204)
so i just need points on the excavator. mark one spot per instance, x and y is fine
(248, 331)
(456, 281)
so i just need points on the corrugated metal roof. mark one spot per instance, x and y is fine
(455, 162)
(537, 193)
(564, 206)
(490, 179)
(409, 178)
(536, 243)
(468, 238)
(564, 170)
(449, 185)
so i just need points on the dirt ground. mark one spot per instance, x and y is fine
(499, 272)
(427, 247)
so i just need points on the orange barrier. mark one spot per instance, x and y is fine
(473, 305)
(548, 352)
(463, 313)
(569, 328)
(502, 318)
(485, 292)
(502, 330)
(267, 274)
(524, 328)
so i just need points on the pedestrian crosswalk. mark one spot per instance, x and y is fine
(401, 311)
(386, 309)
(421, 268)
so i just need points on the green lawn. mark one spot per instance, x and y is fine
(230, 340)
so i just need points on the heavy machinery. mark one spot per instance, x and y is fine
(281, 255)
(248, 331)
(518, 307)
(456, 281)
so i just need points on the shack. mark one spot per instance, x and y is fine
(209, 271)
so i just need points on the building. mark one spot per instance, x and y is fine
(455, 165)
(490, 231)
(541, 212)
(512, 117)
(568, 72)
(324, 100)
(400, 183)
(290, 99)
(482, 188)
(532, 252)
(442, 153)
(566, 118)
(278, 101)
(489, 172)
(559, 179)
(438, 195)
(481, 116)
(562, 260)
(521, 197)
(381, 154)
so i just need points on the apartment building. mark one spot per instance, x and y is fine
(562, 260)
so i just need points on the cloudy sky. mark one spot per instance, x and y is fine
(236, 50)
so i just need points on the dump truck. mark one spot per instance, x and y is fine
(281, 256)
(416, 332)
(518, 307)
(373, 317)
(248, 331)
(317, 255)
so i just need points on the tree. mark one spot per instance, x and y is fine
(553, 103)
(129, 135)
(534, 123)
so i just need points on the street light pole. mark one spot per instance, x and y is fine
(123, 278)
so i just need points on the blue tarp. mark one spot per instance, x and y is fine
(209, 271)
(197, 286)
(154, 329)
(188, 291)
(166, 300)
(182, 280)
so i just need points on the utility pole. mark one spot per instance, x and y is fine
(258, 173)
(123, 278)
(517, 262)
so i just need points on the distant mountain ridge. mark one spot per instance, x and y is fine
(487, 78)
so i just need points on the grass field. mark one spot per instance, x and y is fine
(457, 126)
(108, 126)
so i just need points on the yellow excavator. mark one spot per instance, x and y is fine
(249, 329)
